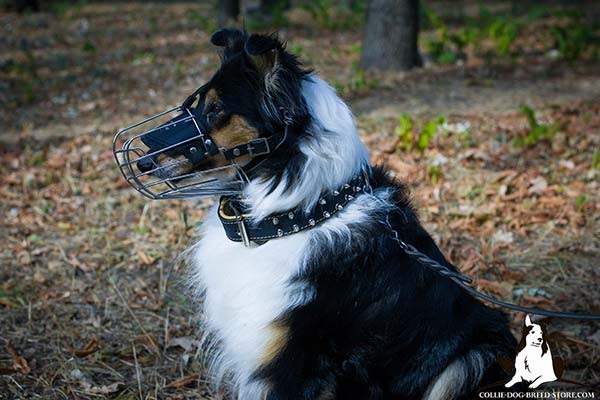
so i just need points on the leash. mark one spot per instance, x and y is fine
(464, 281)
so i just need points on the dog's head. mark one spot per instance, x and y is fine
(255, 93)
(534, 335)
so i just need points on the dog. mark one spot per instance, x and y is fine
(319, 301)
(534, 363)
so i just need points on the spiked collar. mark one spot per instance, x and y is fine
(239, 227)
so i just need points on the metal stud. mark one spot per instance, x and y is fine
(322, 202)
(357, 189)
(291, 215)
(339, 207)
(311, 222)
(275, 221)
(326, 214)
(349, 197)
(279, 232)
(236, 152)
(208, 142)
(296, 228)
(336, 193)
(346, 186)
(193, 150)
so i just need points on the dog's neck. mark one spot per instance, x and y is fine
(332, 154)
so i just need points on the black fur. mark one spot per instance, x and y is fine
(381, 326)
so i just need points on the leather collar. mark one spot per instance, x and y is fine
(239, 228)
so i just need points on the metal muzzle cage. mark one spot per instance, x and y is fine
(169, 156)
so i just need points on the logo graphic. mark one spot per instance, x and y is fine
(534, 363)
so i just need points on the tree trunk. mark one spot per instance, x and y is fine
(391, 33)
(228, 10)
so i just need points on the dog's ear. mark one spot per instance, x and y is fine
(263, 52)
(528, 320)
(232, 41)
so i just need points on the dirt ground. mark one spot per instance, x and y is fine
(93, 296)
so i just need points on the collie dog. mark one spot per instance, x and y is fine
(534, 363)
(320, 302)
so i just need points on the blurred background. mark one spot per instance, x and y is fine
(489, 110)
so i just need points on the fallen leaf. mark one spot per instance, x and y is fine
(89, 348)
(20, 365)
(492, 287)
(187, 343)
(105, 389)
(146, 259)
(7, 303)
(185, 381)
(538, 185)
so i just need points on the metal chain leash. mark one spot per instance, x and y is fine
(464, 281)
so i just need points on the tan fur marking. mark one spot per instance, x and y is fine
(236, 131)
(183, 165)
(279, 334)
(210, 98)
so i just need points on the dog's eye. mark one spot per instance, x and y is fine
(213, 113)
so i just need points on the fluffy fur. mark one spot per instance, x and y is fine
(337, 311)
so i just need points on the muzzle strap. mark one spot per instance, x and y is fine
(254, 148)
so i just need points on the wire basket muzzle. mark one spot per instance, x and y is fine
(168, 156)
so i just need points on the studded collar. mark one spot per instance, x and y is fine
(236, 220)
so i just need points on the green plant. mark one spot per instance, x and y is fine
(580, 202)
(596, 159)
(420, 141)
(428, 132)
(404, 131)
(61, 7)
(573, 39)
(359, 80)
(278, 14)
(504, 31)
(435, 173)
(89, 47)
(331, 15)
(320, 11)
(537, 130)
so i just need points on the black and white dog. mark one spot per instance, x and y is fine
(534, 363)
(322, 303)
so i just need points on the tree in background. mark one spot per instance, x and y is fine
(227, 10)
(391, 33)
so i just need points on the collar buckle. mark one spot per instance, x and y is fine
(243, 233)
(240, 224)
(258, 147)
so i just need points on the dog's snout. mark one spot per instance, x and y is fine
(540, 339)
(145, 164)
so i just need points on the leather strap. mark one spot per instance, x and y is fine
(237, 225)
(254, 148)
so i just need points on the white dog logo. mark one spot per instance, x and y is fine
(534, 360)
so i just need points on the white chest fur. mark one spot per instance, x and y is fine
(245, 290)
